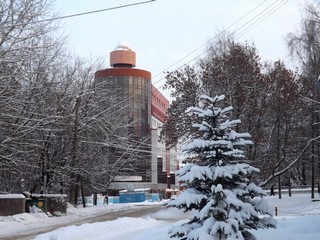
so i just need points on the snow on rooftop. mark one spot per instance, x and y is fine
(136, 190)
(11, 196)
(48, 195)
(123, 46)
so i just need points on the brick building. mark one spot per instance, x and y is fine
(146, 108)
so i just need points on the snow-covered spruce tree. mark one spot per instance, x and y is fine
(217, 180)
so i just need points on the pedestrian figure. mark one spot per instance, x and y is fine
(106, 199)
(272, 191)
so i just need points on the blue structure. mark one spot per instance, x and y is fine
(131, 197)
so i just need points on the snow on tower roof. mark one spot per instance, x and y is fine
(123, 46)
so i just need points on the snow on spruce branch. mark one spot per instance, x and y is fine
(217, 183)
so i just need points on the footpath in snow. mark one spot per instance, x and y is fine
(298, 219)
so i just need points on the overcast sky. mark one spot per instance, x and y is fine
(165, 31)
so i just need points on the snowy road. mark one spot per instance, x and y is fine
(298, 218)
(138, 211)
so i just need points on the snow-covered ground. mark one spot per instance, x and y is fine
(298, 219)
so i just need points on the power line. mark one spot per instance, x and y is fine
(204, 44)
(251, 26)
(255, 23)
(247, 29)
(95, 11)
(189, 54)
(262, 18)
(273, 6)
(125, 147)
(271, 10)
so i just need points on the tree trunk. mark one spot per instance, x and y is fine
(82, 196)
(279, 186)
(95, 199)
(76, 191)
(278, 155)
(289, 187)
(312, 153)
(303, 173)
(75, 186)
(312, 178)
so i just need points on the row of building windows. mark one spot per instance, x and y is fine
(132, 95)
(158, 113)
(159, 102)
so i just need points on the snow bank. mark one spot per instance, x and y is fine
(299, 218)
(172, 214)
(293, 228)
(26, 222)
(306, 228)
(101, 230)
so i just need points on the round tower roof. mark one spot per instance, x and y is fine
(122, 56)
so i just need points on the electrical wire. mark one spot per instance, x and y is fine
(207, 42)
(124, 147)
(248, 28)
(232, 33)
(95, 11)
(273, 9)
(254, 24)
(195, 50)
(262, 18)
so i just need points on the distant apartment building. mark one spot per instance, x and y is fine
(166, 158)
(145, 107)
